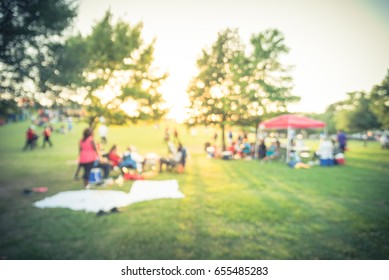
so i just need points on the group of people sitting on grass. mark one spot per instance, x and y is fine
(243, 149)
(330, 152)
(130, 159)
(92, 156)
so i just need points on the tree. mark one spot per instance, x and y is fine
(327, 117)
(380, 101)
(264, 80)
(354, 113)
(26, 29)
(213, 97)
(239, 88)
(113, 73)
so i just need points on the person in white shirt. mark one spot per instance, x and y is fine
(103, 132)
(326, 149)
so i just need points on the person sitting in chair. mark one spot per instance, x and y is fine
(175, 158)
(273, 152)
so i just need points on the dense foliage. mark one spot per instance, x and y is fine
(27, 29)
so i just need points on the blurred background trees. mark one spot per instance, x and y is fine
(235, 86)
(27, 29)
(110, 73)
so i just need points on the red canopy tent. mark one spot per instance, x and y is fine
(288, 122)
(291, 121)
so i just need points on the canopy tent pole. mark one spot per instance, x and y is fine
(256, 145)
(288, 145)
(259, 132)
(325, 132)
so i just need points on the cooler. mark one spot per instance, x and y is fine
(340, 161)
(326, 162)
(95, 176)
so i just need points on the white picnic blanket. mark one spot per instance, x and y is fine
(96, 200)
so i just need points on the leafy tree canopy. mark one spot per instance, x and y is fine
(111, 71)
(380, 101)
(27, 27)
(354, 114)
(235, 86)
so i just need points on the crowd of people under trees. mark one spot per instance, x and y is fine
(132, 165)
(331, 150)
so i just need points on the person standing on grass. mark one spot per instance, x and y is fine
(70, 123)
(103, 131)
(176, 136)
(46, 136)
(31, 138)
(215, 138)
(342, 140)
(88, 154)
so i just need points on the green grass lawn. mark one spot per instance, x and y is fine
(232, 209)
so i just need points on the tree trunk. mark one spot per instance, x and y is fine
(256, 143)
(223, 137)
(92, 122)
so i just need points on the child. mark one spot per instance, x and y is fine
(46, 136)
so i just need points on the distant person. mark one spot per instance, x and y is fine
(135, 156)
(230, 137)
(262, 150)
(70, 123)
(342, 140)
(295, 161)
(184, 156)
(88, 154)
(274, 151)
(46, 136)
(127, 160)
(173, 159)
(167, 135)
(231, 147)
(61, 129)
(31, 138)
(326, 150)
(175, 133)
(384, 141)
(336, 149)
(215, 138)
(103, 132)
(114, 156)
(103, 163)
(246, 148)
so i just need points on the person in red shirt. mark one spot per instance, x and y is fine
(31, 138)
(113, 156)
(88, 154)
(46, 136)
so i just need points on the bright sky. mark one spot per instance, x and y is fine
(336, 46)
